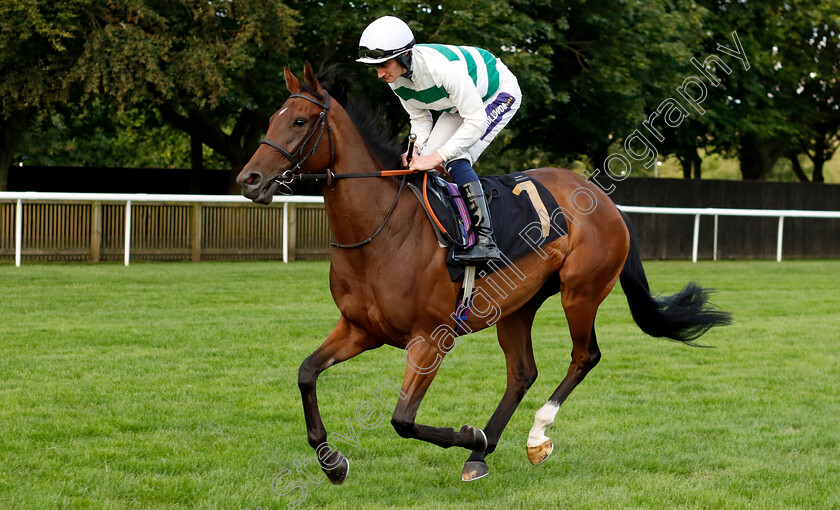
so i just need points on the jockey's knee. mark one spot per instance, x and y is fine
(462, 171)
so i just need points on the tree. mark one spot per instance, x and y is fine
(786, 104)
(609, 64)
(211, 68)
(95, 133)
(591, 71)
(39, 42)
(813, 92)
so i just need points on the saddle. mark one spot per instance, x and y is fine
(449, 215)
(525, 217)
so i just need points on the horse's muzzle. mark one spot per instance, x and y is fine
(255, 187)
(261, 190)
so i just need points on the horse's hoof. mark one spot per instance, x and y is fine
(473, 470)
(336, 467)
(538, 454)
(479, 440)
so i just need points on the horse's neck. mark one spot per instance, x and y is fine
(356, 207)
(406, 249)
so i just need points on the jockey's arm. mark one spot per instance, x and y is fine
(421, 123)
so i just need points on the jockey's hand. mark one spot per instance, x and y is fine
(426, 162)
(404, 157)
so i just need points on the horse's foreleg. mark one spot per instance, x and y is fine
(514, 332)
(343, 343)
(423, 362)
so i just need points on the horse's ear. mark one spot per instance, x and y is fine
(292, 83)
(311, 80)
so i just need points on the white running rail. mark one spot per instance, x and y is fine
(716, 211)
(128, 199)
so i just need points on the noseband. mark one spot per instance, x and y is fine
(297, 159)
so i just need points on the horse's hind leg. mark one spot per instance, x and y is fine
(580, 308)
(343, 343)
(514, 332)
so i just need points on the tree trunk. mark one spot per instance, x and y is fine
(698, 163)
(233, 187)
(797, 167)
(690, 159)
(757, 156)
(818, 170)
(238, 159)
(598, 156)
(11, 132)
(196, 163)
(819, 159)
(236, 147)
(686, 167)
(5, 165)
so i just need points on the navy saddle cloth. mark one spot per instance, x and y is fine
(525, 216)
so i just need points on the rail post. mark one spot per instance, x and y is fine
(127, 255)
(196, 227)
(285, 232)
(715, 242)
(695, 243)
(95, 231)
(18, 230)
(779, 238)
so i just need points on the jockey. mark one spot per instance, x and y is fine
(475, 94)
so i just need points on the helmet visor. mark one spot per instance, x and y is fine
(372, 53)
(376, 55)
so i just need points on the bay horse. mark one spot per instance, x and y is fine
(390, 283)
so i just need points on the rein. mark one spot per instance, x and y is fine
(293, 174)
(381, 225)
(329, 176)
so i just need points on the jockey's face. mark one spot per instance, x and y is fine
(389, 70)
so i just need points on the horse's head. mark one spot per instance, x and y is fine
(294, 143)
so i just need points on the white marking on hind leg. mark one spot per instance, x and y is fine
(543, 419)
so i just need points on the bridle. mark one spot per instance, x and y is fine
(296, 158)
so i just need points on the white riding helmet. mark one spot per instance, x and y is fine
(384, 39)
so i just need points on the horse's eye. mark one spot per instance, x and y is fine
(299, 122)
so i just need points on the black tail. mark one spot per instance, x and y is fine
(684, 316)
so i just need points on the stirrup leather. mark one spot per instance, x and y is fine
(484, 249)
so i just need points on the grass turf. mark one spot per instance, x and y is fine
(174, 386)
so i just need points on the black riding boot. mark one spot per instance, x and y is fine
(484, 249)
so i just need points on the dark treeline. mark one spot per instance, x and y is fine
(191, 83)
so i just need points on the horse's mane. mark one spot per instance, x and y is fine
(366, 117)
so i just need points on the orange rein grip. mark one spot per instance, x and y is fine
(429, 206)
(390, 173)
(406, 171)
